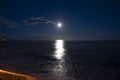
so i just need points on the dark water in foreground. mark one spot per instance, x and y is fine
(62, 60)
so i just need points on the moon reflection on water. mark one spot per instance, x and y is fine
(59, 68)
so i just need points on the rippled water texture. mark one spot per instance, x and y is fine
(62, 60)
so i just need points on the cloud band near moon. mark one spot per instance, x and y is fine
(38, 20)
(31, 21)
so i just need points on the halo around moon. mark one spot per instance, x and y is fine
(59, 24)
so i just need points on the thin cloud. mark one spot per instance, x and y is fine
(7, 23)
(37, 20)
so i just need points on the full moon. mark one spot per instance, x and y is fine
(59, 24)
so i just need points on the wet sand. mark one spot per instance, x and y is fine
(6, 75)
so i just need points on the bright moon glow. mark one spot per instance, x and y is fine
(59, 46)
(59, 24)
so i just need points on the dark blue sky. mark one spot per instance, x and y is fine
(96, 19)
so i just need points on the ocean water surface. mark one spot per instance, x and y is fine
(62, 60)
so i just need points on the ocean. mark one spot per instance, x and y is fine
(62, 59)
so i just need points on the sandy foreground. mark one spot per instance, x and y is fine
(6, 75)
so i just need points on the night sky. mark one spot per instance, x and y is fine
(91, 19)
